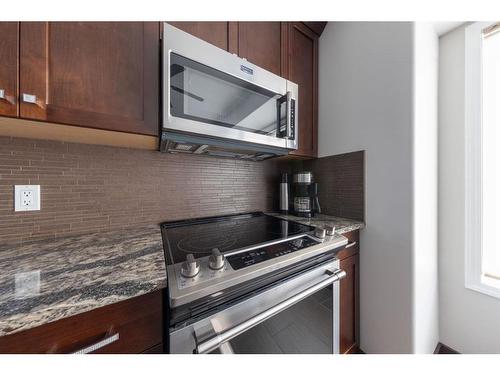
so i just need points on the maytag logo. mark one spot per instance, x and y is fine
(246, 69)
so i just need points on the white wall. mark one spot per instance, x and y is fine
(425, 163)
(365, 103)
(469, 321)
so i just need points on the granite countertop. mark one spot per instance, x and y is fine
(342, 225)
(46, 281)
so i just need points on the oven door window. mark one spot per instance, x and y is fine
(305, 328)
(201, 93)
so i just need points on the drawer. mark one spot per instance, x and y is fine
(352, 247)
(130, 326)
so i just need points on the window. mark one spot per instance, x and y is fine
(482, 105)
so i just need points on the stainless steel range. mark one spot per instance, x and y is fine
(251, 283)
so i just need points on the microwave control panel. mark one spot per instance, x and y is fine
(292, 119)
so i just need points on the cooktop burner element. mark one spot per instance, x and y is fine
(226, 233)
(200, 243)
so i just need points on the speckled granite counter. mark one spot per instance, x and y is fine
(77, 274)
(342, 225)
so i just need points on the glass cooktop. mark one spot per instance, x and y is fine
(227, 233)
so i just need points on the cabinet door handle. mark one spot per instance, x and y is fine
(98, 345)
(29, 98)
(351, 244)
(7, 98)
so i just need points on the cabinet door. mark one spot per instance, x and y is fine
(96, 74)
(349, 309)
(260, 43)
(303, 70)
(216, 33)
(135, 324)
(316, 27)
(9, 50)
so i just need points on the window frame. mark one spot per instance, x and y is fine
(474, 279)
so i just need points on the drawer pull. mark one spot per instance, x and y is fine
(28, 98)
(98, 345)
(2, 94)
(351, 244)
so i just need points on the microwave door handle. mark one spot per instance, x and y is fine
(289, 115)
(213, 342)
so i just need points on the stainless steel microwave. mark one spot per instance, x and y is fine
(218, 104)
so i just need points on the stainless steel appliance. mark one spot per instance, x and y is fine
(305, 195)
(251, 283)
(218, 104)
(284, 194)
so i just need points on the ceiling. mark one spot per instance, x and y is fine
(445, 26)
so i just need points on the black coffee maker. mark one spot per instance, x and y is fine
(305, 195)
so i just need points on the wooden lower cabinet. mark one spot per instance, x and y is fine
(138, 322)
(349, 296)
(157, 349)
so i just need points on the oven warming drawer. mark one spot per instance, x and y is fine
(317, 289)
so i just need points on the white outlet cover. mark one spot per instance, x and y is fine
(26, 198)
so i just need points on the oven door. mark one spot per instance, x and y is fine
(300, 315)
(210, 92)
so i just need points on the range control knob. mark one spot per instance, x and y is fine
(216, 261)
(330, 230)
(320, 233)
(190, 268)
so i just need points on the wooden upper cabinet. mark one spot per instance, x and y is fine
(260, 43)
(216, 33)
(316, 27)
(96, 74)
(9, 51)
(302, 68)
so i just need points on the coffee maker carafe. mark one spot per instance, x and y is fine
(305, 195)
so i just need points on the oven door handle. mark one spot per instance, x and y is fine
(212, 343)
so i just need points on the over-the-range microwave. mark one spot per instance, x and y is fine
(218, 104)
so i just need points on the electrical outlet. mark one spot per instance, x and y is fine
(27, 198)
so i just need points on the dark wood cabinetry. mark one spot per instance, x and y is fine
(9, 50)
(216, 33)
(302, 68)
(349, 295)
(261, 44)
(137, 323)
(317, 27)
(96, 74)
(105, 75)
